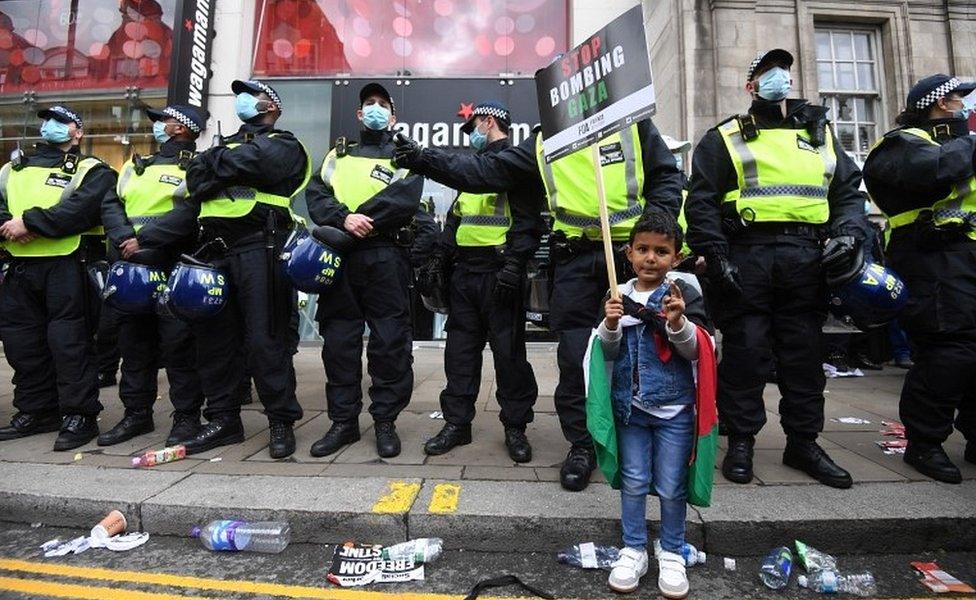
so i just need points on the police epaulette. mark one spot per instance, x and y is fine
(747, 126)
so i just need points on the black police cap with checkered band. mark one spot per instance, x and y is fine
(927, 91)
(491, 108)
(776, 56)
(185, 115)
(253, 86)
(61, 113)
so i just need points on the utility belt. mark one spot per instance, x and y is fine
(742, 232)
(481, 254)
(562, 248)
(925, 234)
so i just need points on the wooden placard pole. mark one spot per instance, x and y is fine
(605, 224)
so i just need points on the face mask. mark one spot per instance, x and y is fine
(246, 106)
(968, 108)
(478, 140)
(774, 84)
(376, 117)
(55, 131)
(159, 132)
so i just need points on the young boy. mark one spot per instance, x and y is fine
(650, 335)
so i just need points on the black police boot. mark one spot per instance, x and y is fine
(106, 380)
(76, 430)
(575, 472)
(970, 454)
(222, 431)
(737, 466)
(282, 439)
(339, 435)
(134, 423)
(387, 440)
(448, 437)
(518, 445)
(186, 426)
(931, 460)
(25, 424)
(809, 457)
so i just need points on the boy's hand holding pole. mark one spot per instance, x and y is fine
(614, 310)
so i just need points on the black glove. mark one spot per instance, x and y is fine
(723, 276)
(508, 284)
(430, 275)
(840, 255)
(407, 152)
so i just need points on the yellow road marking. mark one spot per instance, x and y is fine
(35, 588)
(445, 499)
(397, 499)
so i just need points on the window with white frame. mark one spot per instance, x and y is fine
(849, 80)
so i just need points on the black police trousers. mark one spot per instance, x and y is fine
(374, 290)
(148, 342)
(940, 319)
(255, 306)
(48, 315)
(475, 318)
(107, 350)
(780, 314)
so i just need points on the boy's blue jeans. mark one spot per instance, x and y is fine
(654, 450)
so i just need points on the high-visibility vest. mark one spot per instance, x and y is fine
(153, 193)
(240, 200)
(782, 176)
(43, 187)
(958, 207)
(570, 183)
(484, 219)
(356, 179)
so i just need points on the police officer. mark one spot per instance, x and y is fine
(765, 187)
(580, 277)
(244, 187)
(359, 190)
(486, 243)
(922, 177)
(48, 309)
(139, 218)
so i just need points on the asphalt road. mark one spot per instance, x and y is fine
(170, 567)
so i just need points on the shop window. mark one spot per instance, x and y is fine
(422, 38)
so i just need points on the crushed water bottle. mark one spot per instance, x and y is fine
(692, 555)
(589, 556)
(270, 537)
(775, 570)
(814, 560)
(423, 550)
(830, 581)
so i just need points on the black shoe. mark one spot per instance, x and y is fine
(76, 430)
(737, 466)
(809, 457)
(106, 380)
(387, 440)
(339, 435)
(133, 424)
(575, 472)
(221, 431)
(448, 437)
(185, 428)
(25, 424)
(862, 361)
(931, 460)
(518, 445)
(970, 454)
(282, 440)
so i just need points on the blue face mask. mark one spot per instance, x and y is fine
(968, 108)
(376, 117)
(478, 140)
(246, 106)
(55, 131)
(159, 132)
(774, 84)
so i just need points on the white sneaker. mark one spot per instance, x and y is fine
(627, 570)
(671, 579)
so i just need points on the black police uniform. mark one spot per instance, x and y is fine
(374, 290)
(49, 307)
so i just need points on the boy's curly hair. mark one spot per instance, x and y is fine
(659, 221)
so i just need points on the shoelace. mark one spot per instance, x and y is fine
(279, 429)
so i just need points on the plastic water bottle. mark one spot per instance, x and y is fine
(158, 457)
(270, 537)
(831, 582)
(589, 556)
(423, 550)
(692, 555)
(775, 570)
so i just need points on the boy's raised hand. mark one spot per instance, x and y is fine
(614, 310)
(674, 307)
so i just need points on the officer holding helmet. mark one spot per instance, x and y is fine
(147, 219)
(49, 201)
(922, 177)
(359, 190)
(244, 188)
(766, 187)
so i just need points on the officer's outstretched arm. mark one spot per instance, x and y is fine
(118, 228)
(662, 179)
(171, 228)
(482, 173)
(846, 199)
(945, 164)
(77, 213)
(263, 161)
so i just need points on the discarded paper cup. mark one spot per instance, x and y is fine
(113, 524)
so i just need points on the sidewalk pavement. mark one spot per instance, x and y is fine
(475, 497)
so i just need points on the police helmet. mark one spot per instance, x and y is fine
(132, 288)
(872, 296)
(313, 259)
(195, 291)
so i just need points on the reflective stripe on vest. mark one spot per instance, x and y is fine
(148, 196)
(43, 187)
(239, 201)
(485, 219)
(356, 179)
(958, 207)
(781, 176)
(571, 186)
